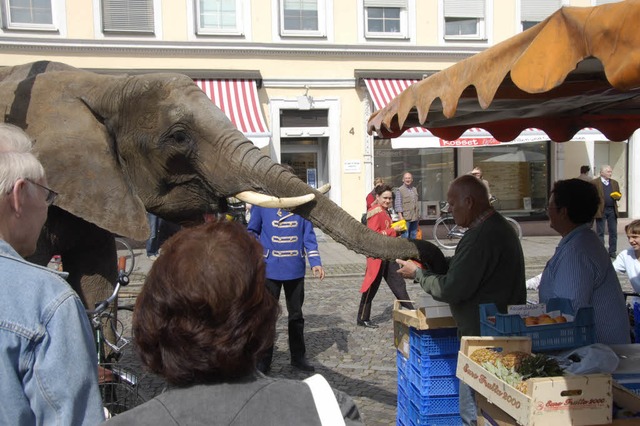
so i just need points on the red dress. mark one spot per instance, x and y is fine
(379, 220)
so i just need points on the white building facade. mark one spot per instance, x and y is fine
(300, 78)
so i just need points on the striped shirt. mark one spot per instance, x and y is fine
(581, 270)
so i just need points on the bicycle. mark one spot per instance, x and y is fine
(118, 387)
(447, 233)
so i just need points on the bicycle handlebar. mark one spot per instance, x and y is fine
(122, 281)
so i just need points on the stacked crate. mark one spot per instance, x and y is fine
(427, 382)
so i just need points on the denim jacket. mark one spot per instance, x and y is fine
(48, 367)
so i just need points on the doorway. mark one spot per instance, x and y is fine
(308, 157)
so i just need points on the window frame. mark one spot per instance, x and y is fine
(519, 12)
(481, 26)
(8, 24)
(322, 22)
(129, 32)
(404, 25)
(238, 30)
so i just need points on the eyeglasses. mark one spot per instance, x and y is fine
(51, 194)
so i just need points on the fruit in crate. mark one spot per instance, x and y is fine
(516, 367)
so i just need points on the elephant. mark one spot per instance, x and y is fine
(117, 146)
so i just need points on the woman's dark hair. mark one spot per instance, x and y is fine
(382, 188)
(579, 197)
(204, 314)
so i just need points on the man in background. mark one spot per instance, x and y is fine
(407, 205)
(48, 361)
(584, 173)
(607, 213)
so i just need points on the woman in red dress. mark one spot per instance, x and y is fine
(379, 220)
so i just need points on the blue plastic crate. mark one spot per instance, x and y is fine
(403, 400)
(402, 363)
(439, 341)
(416, 417)
(433, 386)
(632, 385)
(434, 366)
(432, 405)
(579, 332)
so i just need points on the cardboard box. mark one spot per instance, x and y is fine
(490, 415)
(405, 318)
(574, 400)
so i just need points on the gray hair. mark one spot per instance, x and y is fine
(16, 159)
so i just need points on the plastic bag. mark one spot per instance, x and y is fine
(592, 359)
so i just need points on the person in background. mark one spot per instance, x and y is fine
(477, 172)
(48, 364)
(407, 205)
(202, 323)
(628, 261)
(287, 238)
(584, 173)
(487, 267)
(371, 197)
(153, 243)
(378, 219)
(580, 269)
(607, 213)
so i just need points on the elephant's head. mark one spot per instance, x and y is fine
(117, 146)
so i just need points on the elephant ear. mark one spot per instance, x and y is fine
(90, 183)
(46, 100)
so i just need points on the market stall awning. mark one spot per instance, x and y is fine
(577, 69)
(238, 99)
(384, 90)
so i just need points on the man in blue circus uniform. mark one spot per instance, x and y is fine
(287, 238)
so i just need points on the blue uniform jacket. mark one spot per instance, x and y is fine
(286, 238)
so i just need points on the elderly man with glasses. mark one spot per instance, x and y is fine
(47, 354)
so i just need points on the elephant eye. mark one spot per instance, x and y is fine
(180, 137)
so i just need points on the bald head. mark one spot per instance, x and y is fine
(468, 198)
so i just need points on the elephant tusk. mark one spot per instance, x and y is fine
(324, 188)
(263, 200)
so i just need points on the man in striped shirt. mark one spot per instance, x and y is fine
(580, 269)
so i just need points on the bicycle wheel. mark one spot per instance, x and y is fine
(516, 226)
(124, 250)
(446, 233)
(119, 390)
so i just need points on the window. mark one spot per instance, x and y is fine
(127, 16)
(385, 18)
(219, 16)
(28, 14)
(302, 18)
(518, 175)
(533, 12)
(464, 19)
(432, 170)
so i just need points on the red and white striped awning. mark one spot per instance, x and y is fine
(383, 90)
(238, 99)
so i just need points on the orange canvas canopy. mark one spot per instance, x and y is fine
(579, 68)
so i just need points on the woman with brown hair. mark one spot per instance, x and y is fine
(202, 320)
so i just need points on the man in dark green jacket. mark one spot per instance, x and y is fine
(487, 267)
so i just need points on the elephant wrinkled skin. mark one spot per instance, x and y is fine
(116, 146)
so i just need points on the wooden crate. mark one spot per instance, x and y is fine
(572, 400)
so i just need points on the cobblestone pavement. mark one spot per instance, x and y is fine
(356, 360)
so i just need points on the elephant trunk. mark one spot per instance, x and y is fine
(328, 216)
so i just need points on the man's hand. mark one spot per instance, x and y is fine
(318, 272)
(408, 268)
